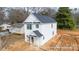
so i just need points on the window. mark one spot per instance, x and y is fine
(53, 33)
(8, 26)
(29, 26)
(37, 25)
(51, 25)
(43, 37)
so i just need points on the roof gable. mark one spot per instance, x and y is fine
(31, 18)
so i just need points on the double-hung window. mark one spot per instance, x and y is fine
(29, 26)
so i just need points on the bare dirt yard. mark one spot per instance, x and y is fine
(65, 40)
(17, 43)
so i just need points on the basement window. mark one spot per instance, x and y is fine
(51, 25)
(37, 25)
(52, 33)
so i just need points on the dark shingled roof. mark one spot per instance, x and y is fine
(44, 19)
(38, 33)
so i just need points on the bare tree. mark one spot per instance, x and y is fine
(48, 12)
(17, 15)
(2, 15)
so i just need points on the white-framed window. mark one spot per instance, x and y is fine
(29, 26)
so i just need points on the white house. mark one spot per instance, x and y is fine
(39, 29)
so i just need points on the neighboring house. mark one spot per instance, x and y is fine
(5, 26)
(17, 28)
(39, 29)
